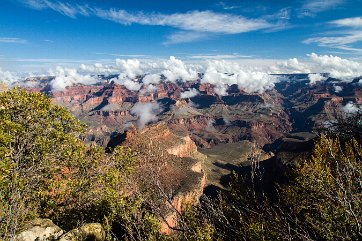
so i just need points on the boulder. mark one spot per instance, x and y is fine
(39, 230)
(89, 232)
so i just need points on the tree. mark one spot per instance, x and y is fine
(47, 171)
(37, 139)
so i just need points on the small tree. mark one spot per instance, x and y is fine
(36, 140)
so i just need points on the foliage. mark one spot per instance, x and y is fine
(195, 226)
(47, 171)
(321, 201)
(326, 194)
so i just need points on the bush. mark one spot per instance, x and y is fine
(47, 171)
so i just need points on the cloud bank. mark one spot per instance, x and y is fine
(252, 77)
(337, 67)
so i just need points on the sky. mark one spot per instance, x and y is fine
(38, 35)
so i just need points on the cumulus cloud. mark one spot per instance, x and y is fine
(7, 77)
(128, 83)
(350, 108)
(337, 67)
(314, 78)
(97, 68)
(146, 113)
(151, 79)
(292, 66)
(189, 93)
(337, 88)
(67, 77)
(223, 74)
(175, 69)
(130, 67)
(252, 75)
(151, 88)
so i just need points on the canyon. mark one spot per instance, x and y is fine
(185, 145)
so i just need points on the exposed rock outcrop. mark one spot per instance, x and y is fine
(45, 230)
(39, 230)
(170, 169)
(88, 232)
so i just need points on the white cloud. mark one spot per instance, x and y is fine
(184, 37)
(175, 69)
(198, 21)
(290, 66)
(189, 93)
(97, 68)
(337, 67)
(130, 67)
(337, 88)
(220, 56)
(146, 113)
(351, 108)
(66, 9)
(251, 75)
(224, 73)
(65, 77)
(13, 40)
(128, 83)
(349, 22)
(194, 25)
(311, 7)
(151, 79)
(314, 78)
(340, 42)
(342, 39)
(7, 77)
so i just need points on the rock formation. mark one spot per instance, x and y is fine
(40, 230)
(45, 230)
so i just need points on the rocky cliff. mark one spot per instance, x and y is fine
(169, 169)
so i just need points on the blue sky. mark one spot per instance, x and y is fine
(37, 32)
